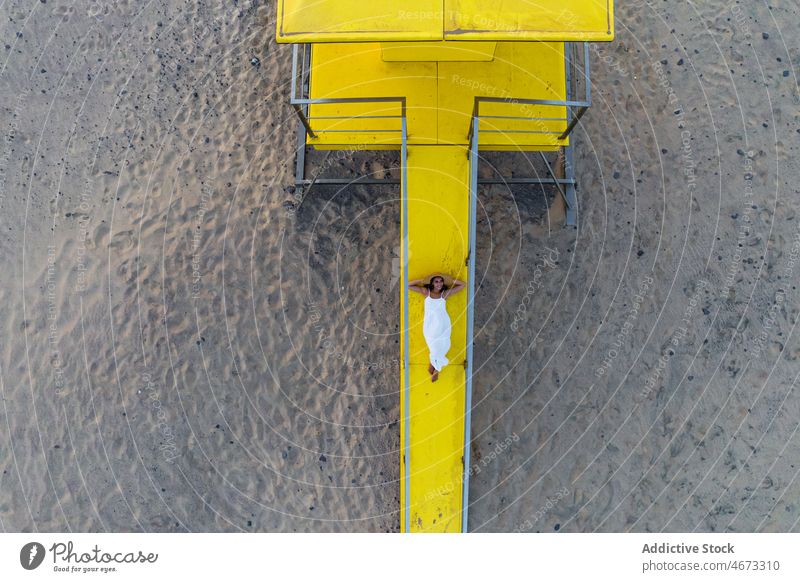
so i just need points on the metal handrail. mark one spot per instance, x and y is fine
(301, 103)
(572, 120)
(472, 154)
(406, 357)
(470, 367)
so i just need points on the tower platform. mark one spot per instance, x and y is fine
(440, 97)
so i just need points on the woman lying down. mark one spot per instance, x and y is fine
(436, 322)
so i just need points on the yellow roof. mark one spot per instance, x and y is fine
(589, 20)
(427, 20)
(358, 20)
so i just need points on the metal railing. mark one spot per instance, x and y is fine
(574, 74)
(301, 106)
(473, 136)
(301, 103)
(406, 361)
(472, 258)
(571, 119)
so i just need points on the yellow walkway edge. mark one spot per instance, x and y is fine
(437, 192)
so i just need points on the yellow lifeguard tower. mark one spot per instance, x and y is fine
(441, 81)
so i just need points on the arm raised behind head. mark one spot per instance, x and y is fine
(457, 286)
(417, 287)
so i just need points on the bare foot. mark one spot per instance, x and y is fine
(431, 369)
(435, 375)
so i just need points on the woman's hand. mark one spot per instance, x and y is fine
(457, 286)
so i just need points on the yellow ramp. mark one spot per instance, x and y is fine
(438, 213)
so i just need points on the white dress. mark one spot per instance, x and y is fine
(436, 329)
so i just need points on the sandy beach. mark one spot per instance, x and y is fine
(192, 344)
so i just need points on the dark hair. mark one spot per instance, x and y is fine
(429, 286)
